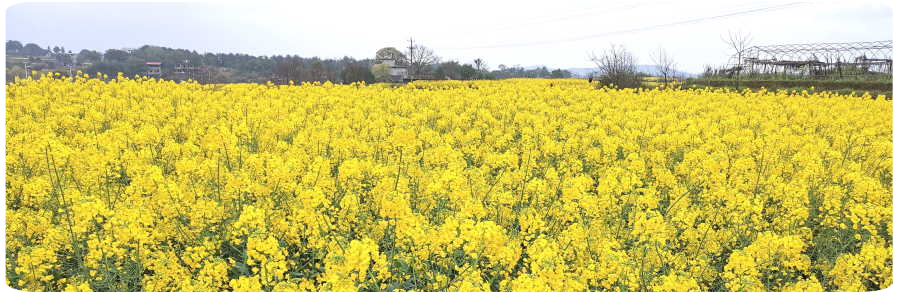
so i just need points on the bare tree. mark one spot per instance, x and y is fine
(421, 59)
(665, 64)
(617, 66)
(481, 66)
(739, 42)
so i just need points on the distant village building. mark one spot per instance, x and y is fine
(38, 63)
(395, 60)
(129, 50)
(154, 69)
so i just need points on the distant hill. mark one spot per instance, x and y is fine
(582, 72)
(651, 70)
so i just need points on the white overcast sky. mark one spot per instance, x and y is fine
(553, 33)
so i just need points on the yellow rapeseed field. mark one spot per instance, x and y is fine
(514, 185)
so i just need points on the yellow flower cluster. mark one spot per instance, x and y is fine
(513, 185)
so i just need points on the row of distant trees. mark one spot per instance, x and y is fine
(37, 54)
(231, 67)
(15, 48)
(422, 63)
(615, 65)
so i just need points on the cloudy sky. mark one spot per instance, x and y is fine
(552, 33)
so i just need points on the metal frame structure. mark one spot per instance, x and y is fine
(815, 61)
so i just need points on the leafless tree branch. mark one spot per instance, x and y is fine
(617, 66)
(665, 64)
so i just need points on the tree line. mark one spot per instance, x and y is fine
(182, 64)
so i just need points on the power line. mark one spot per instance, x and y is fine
(646, 28)
(579, 13)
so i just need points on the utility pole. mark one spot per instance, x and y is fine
(27, 70)
(70, 60)
(411, 56)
